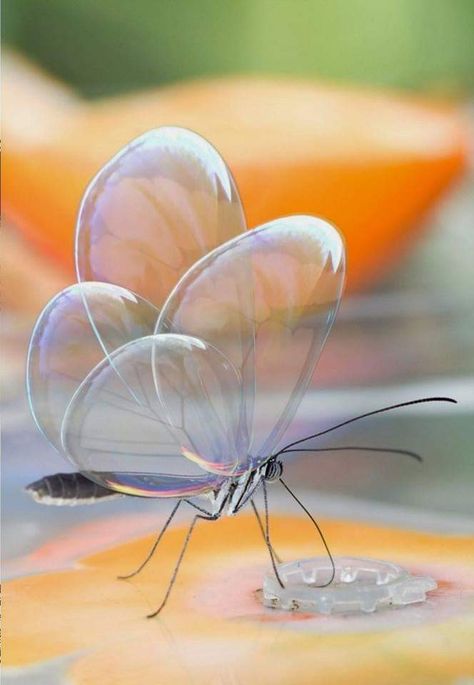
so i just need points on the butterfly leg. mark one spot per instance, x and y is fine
(262, 529)
(201, 509)
(267, 535)
(180, 559)
(320, 532)
(155, 544)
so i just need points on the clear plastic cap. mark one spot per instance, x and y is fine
(359, 585)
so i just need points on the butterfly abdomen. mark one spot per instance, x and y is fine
(68, 489)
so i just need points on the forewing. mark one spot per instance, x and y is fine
(179, 435)
(64, 347)
(267, 300)
(163, 202)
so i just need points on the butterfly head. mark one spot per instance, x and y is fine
(273, 470)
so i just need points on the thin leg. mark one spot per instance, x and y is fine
(180, 559)
(267, 535)
(262, 530)
(316, 525)
(155, 544)
(201, 509)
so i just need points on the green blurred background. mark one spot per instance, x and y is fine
(118, 45)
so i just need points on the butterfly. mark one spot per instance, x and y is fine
(175, 365)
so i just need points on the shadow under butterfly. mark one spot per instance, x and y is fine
(152, 373)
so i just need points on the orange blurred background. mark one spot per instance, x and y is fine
(367, 133)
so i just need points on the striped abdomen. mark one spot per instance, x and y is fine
(68, 489)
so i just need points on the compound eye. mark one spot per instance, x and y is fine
(273, 471)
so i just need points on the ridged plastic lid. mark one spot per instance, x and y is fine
(359, 585)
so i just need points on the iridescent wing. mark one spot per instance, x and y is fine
(266, 300)
(159, 205)
(179, 436)
(64, 347)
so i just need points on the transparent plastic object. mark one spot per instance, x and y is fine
(359, 585)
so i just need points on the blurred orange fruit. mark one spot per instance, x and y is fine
(369, 162)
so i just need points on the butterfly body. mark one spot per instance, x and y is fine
(235, 493)
(68, 489)
(71, 489)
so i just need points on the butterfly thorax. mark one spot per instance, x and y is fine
(236, 492)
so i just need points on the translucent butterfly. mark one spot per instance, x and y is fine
(175, 365)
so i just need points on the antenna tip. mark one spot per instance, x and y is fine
(440, 399)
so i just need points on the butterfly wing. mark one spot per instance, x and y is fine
(179, 435)
(267, 300)
(64, 347)
(159, 205)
